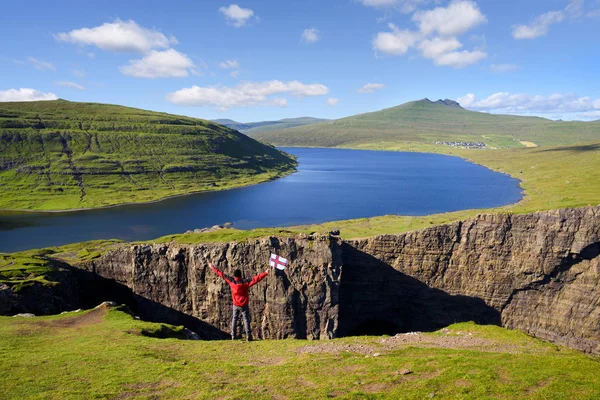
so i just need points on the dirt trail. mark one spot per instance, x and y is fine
(448, 340)
(79, 320)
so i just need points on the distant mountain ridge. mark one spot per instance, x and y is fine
(426, 122)
(251, 128)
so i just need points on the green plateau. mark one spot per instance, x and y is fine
(62, 155)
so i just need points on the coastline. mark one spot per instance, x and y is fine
(73, 210)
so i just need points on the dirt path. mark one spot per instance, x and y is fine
(448, 340)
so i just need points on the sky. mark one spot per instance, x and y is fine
(255, 60)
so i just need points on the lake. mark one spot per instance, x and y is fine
(331, 184)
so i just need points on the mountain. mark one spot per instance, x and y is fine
(426, 122)
(57, 155)
(254, 128)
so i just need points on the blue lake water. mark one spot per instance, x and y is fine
(331, 184)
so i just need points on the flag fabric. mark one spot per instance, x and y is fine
(278, 262)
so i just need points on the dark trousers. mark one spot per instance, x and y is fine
(245, 311)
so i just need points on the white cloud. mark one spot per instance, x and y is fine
(459, 17)
(119, 36)
(78, 73)
(332, 101)
(437, 47)
(40, 65)
(575, 8)
(436, 38)
(396, 42)
(70, 85)
(503, 67)
(539, 26)
(568, 103)
(310, 35)
(443, 52)
(245, 94)
(234, 74)
(370, 87)
(229, 64)
(159, 64)
(405, 6)
(460, 59)
(25, 94)
(237, 16)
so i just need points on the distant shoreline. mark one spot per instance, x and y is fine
(17, 211)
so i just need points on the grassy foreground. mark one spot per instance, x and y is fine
(105, 353)
(61, 155)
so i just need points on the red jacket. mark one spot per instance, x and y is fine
(239, 287)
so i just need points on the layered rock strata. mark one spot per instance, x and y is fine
(539, 273)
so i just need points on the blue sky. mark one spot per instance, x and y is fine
(260, 60)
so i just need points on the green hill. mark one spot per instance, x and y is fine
(253, 128)
(425, 122)
(58, 155)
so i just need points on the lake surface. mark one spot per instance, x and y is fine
(331, 184)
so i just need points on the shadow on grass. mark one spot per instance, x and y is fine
(94, 289)
(577, 149)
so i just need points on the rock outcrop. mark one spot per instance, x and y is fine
(539, 273)
(173, 283)
(39, 298)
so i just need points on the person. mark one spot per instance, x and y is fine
(239, 293)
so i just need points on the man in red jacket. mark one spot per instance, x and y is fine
(239, 293)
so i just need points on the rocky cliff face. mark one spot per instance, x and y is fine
(40, 299)
(173, 283)
(539, 273)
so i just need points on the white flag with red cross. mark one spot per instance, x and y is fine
(278, 262)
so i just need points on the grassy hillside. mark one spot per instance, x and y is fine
(425, 122)
(105, 353)
(58, 155)
(253, 128)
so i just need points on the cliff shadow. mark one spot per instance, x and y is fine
(94, 289)
(376, 299)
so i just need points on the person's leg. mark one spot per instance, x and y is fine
(234, 321)
(246, 317)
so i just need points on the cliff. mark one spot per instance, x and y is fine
(173, 283)
(538, 273)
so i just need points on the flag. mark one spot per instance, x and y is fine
(278, 262)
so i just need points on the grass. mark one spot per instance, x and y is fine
(60, 155)
(424, 122)
(108, 354)
(24, 269)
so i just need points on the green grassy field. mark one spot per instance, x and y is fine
(105, 353)
(60, 155)
(424, 122)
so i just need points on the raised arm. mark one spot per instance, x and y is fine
(258, 278)
(216, 271)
